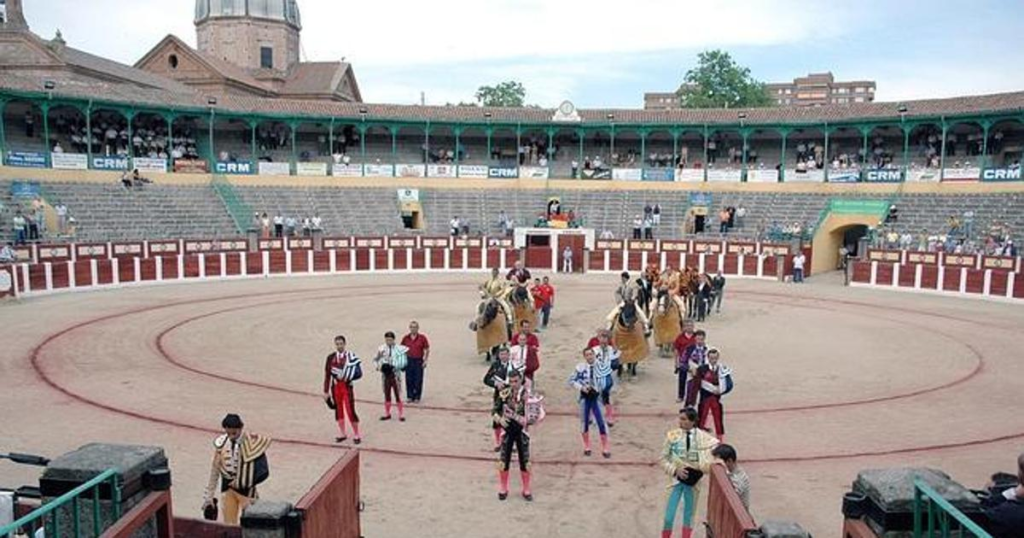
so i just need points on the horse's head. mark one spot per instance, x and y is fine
(628, 315)
(520, 295)
(487, 312)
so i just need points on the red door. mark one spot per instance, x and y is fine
(576, 244)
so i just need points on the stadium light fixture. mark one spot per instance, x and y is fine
(902, 109)
(49, 85)
(212, 101)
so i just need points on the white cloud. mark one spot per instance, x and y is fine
(929, 80)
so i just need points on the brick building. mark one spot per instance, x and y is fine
(814, 89)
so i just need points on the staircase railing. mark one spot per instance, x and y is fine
(50, 517)
(240, 212)
(940, 516)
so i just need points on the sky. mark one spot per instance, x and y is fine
(600, 53)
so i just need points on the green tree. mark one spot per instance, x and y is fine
(506, 94)
(718, 82)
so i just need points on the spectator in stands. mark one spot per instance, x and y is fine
(278, 225)
(317, 223)
(264, 225)
(607, 234)
(575, 169)
(33, 218)
(1004, 511)
(418, 355)
(798, 267)
(454, 225)
(7, 254)
(137, 178)
(648, 230)
(62, 217)
(656, 214)
(726, 454)
(307, 227)
(126, 180)
(503, 222)
(30, 124)
(290, 223)
(638, 224)
(723, 221)
(648, 210)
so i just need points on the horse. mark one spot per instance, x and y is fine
(491, 327)
(665, 321)
(630, 336)
(522, 307)
(688, 285)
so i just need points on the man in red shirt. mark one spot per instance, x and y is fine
(419, 352)
(525, 350)
(544, 300)
(683, 341)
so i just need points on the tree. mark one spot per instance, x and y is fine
(507, 94)
(718, 82)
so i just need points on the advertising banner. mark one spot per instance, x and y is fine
(25, 189)
(1001, 174)
(503, 172)
(274, 169)
(724, 175)
(379, 170)
(690, 174)
(233, 168)
(700, 199)
(924, 174)
(110, 163)
(627, 174)
(347, 170)
(311, 169)
(145, 164)
(476, 171)
(70, 161)
(26, 159)
(841, 176)
(408, 195)
(770, 175)
(883, 176)
(410, 170)
(440, 170)
(659, 174)
(533, 172)
(807, 176)
(190, 166)
(593, 173)
(961, 174)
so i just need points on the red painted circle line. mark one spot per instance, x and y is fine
(167, 355)
(35, 359)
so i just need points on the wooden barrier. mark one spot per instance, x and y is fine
(155, 505)
(942, 278)
(330, 509)
(857, 528)
(200, 528)
(727, 517)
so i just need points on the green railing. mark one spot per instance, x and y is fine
(239, 210)
(943, 519)
(53, 524)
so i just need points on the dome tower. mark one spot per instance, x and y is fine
(257, 35)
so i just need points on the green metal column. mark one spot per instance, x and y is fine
(168, 143)
(362, 142)
(458, 143)
(252, 140)
(827, 164)
(611, 149)
(519, 143)
(489, 132)
(942, 151)
(3, 132)
(211, 154)
(705, 153)
(984, 144)
(294, 127)
(743, 156)
(581, 134)
(782, 159)
(426, 149)
(864, 165)
(131, 146)
(643, 149)
(906, 150)
(675, 148)
(394, 150)
(46, 132)
(548, 151)
(330, 143)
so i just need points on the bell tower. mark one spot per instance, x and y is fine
(260, 36)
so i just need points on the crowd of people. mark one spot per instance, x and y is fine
(286, 226)
(28, 223)
(110, 136)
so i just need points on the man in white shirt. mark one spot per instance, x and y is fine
(278, 225)
(454, 225)
(62, 217)
(567, 260)
(318, 223)
(798, 267)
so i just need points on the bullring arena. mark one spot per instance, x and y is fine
(184, 238)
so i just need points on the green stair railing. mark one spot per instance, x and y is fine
(52, 518)
(941, 517)
(240, 212)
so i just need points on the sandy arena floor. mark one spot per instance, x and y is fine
(829, 380)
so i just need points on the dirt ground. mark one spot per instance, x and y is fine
(829, 380)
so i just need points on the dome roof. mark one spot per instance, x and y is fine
(280, 10)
